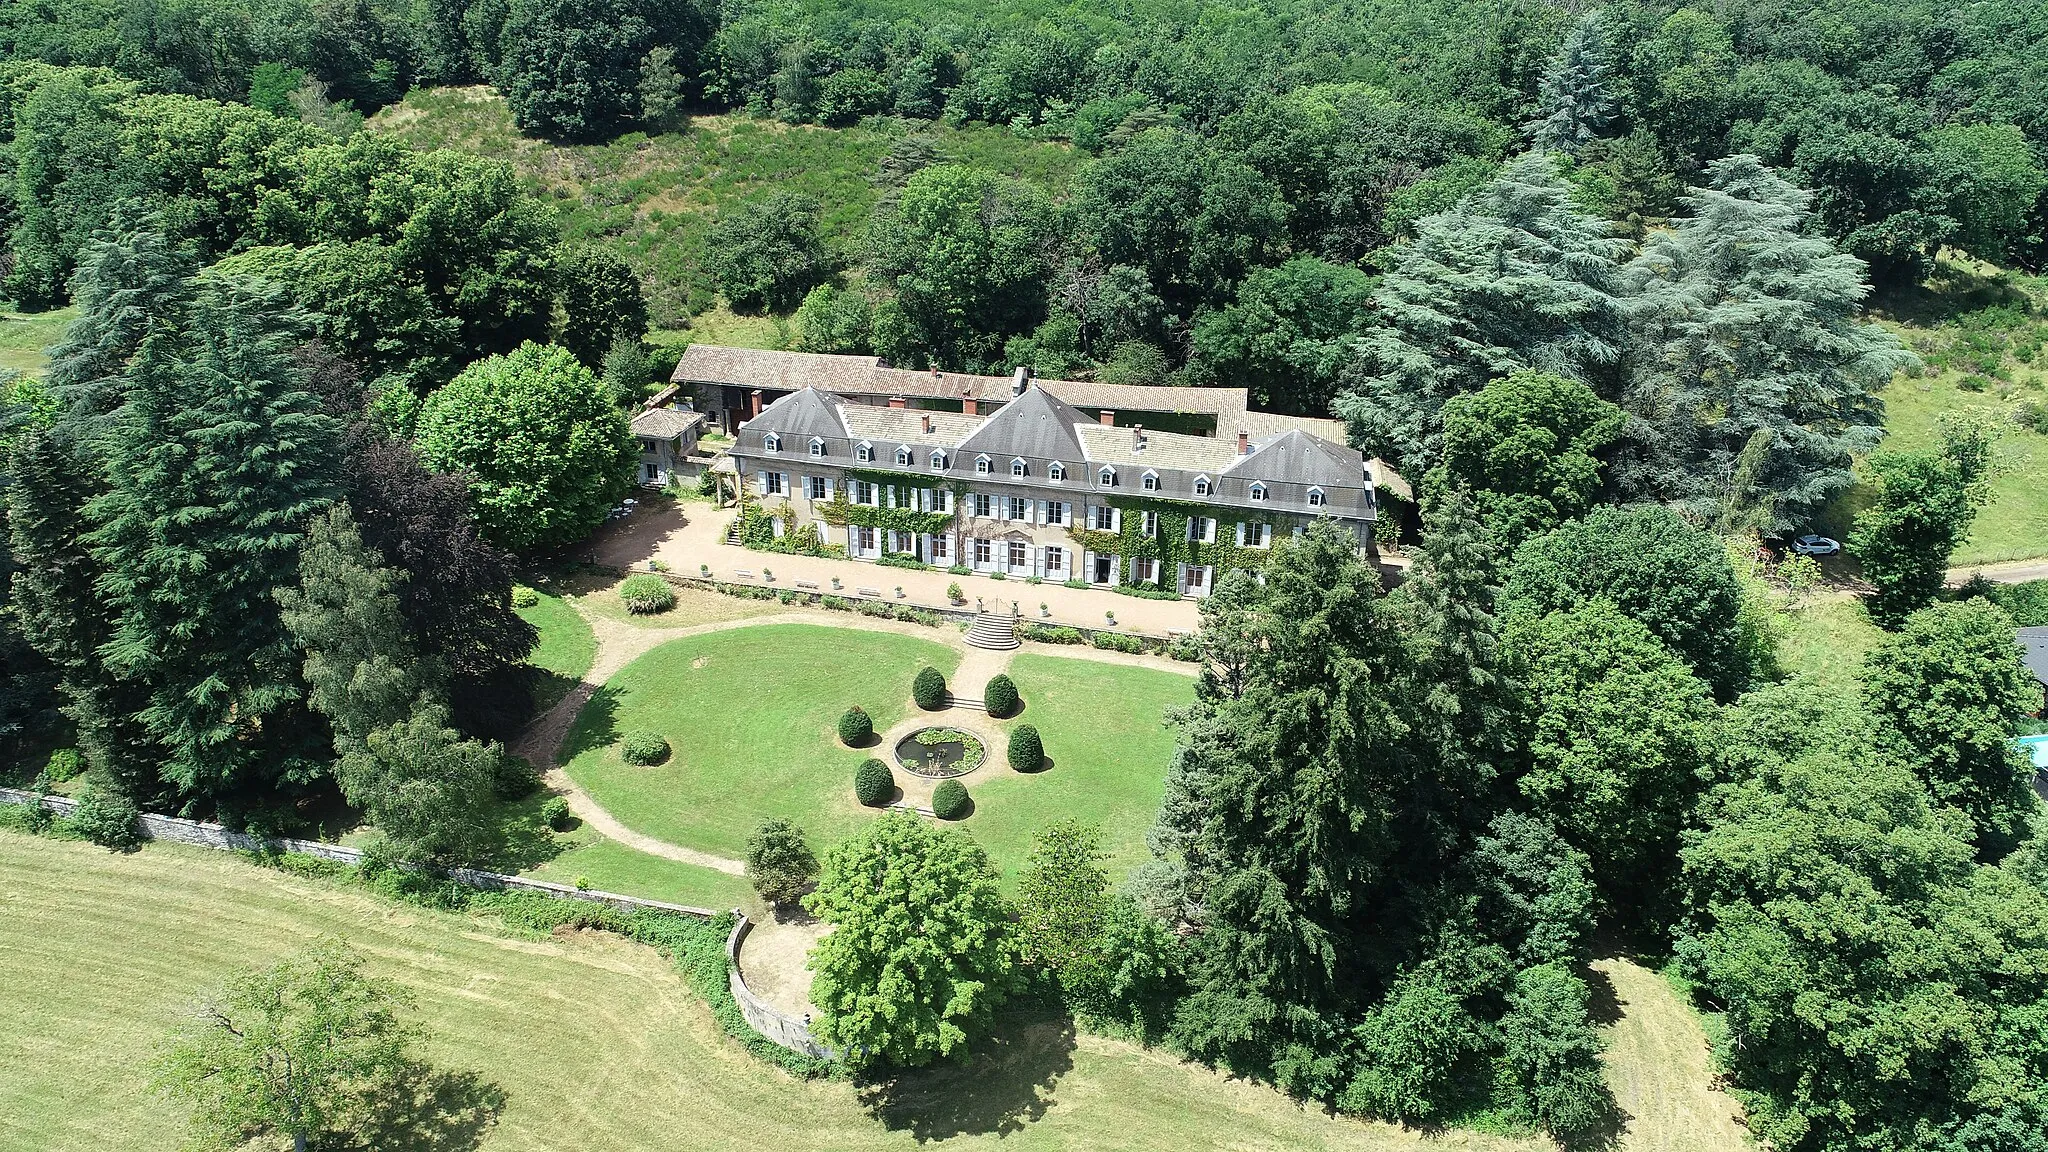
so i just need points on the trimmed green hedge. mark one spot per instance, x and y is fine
(950, 800)
(1000, 697)
(643, 748)
(1027, 753)
(855, 727)
(929, 688)
(873, 783)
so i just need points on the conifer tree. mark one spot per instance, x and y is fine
(425, 787)
(1291, 791)
(1575, 104)
(213, 470)
(1514, 278)
(1743, 322)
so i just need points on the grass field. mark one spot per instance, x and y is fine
(654, 198)
(750, 716)
(566, 648)
(596, 1043)
(598, 595)
(1829, 636)
(610, 866)
(24, 338)
(1104, 728)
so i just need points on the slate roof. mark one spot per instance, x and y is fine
(1036, 426)
(804, 414)
(907, 425)
(1295, 457)
(1119, 446)
(2034, 642)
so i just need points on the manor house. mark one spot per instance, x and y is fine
(1040, 488)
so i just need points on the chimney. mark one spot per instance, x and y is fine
(967, 405)
(1019, 380)
(753, 403)
(1137, 437)
(927, 425)
(1244, 442)
(1107, 417)
(895, 401)
(935, 371)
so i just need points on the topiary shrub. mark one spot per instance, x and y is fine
(1000, 697)
(555, 813)
(524, 597)
(873, 783)
(646, 594)
(950, 801)
(855, 727)
(929, 689)
(1027, 754)
(643, 748)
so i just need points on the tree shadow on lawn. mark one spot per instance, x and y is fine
(1004, 1083)
(597, 724)
(422, 1108)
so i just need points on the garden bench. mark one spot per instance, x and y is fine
(807, 585)
(869, 591)
(743, 573)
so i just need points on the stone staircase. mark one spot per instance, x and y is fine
(952, 701)
(993, 631)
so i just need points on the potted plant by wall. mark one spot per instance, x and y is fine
(953, 593)
(1044, 610)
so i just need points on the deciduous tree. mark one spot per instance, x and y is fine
(780, 862)
(1926, 502)
(1526, 446)
(767, 253)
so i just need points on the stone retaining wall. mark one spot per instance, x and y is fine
(762, 1016)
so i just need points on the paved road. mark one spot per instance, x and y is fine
(2017, 572)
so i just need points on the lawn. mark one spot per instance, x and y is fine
(1104, 728)
(750, 716)
(566, 648)
(598, 595)
(610, 866)
(653, 199)
(24, 337)
(595, 1042)
(1830, 634)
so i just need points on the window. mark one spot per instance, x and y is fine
(1258, 492)
(1150, 483)
(771, 443)
(1201, 485)
(982, 502)
(1020, 508)
(653, 470)
(1056, 512)
(817, 446)
(647, 445)
(981, 552)
(901, 542)
(1020, 556)
(942, 500)
(903, 457)
(865, 453)
(771, 483)
(1056, 472)
(863, 492)
(1017, 468)
(1106, 478)
(820, 488)
(981, 466)
(1145, 570)
(864, 539)
(1150, 523)
(1055, 560)
(1197, 576)
(1316, 499)
(1201, 528)
(940, 545)
(938, 461)
(1258, 535)
(1102, 518)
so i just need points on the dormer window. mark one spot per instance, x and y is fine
(982, 466)
(817, 446)
(771, 443)
(1150, 483)
(1057, 471)
(1201, 485)
(1017, 468)
(938, 461)
(865, 453)
(1106, 478)
(1316, 499)
(903, 457)
(1258, 492)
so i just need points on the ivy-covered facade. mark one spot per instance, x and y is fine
(1037, 490)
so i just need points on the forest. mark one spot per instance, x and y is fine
(1596, 279)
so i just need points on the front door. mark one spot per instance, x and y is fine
(1103, 568)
